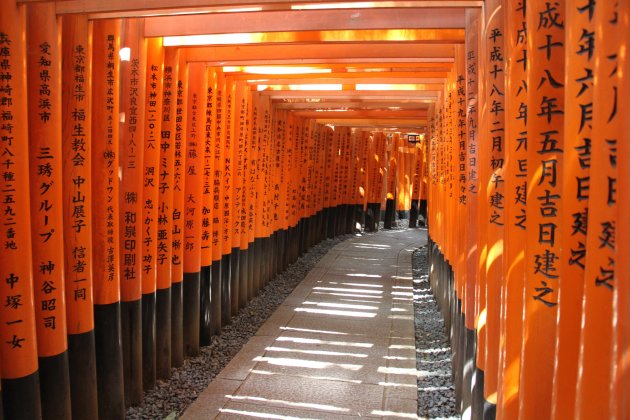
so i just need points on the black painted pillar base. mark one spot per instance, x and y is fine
(82, 370)
(457, 346)
(251, 271)
(109, 362)
(390, 214)
(205, 311)
(331, 219)
(54, 381)
(21, 397)
(373, 217)
(148, 341)
(478, 401)
(265, 261)
(275, 267)
(359, 219)
(350, 223)
(191, 313)
(304, 233)
(413, 214)
(320, 227)
(271, 260)
(280, 252)
(215, 297)
(470, 354)
(340, 219)
(243, 280)
(294, 243)
(403, 214)
(423, 212)
(163, 333)
(177, 323)
(225, 290)
(131, 323)
(288, 247)
(489, 411)
(258, 265)
(234, 281)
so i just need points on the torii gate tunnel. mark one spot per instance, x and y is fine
(161, 161)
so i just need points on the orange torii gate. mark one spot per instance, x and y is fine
(149, 191)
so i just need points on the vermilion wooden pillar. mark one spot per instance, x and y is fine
(78, 216)
(257, 138)
(483, 215)
(594, 377)
(221, 154)
(237, 193)
(18, 351)
(241, 126)
(150, 205)
(206, 314)
(131, 150)
(250, 176)
(45, 161)
(166, 192)
(494, 125)
(193, 203)
(621, 321)
(472, 200)
(214, 77)
(105, 233)
(460, 223)
(179, 196)
(575, 185)
(544, 253)
(515, 211)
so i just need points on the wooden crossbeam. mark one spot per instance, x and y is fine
(305, 20)
(99, 9)
(333, 53)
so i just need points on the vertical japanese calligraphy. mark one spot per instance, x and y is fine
(545, 127)
(177, 234)
(106, 186)
(515, 211)
(166, 183)
(150, 204)
(77, 212)
(193, 203)
(18, 348)
(600, 278)
(580, 66)
(44, 138)
(133, 55)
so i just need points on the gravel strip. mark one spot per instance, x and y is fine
(436, 392)
(171, 397)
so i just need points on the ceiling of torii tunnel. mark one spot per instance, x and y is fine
(361, 64)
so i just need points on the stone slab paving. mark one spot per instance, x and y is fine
(341, 346)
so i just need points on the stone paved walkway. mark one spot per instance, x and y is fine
(340, 346)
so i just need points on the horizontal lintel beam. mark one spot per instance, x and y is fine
(320, 53)
(99, 9)
(305, 20)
